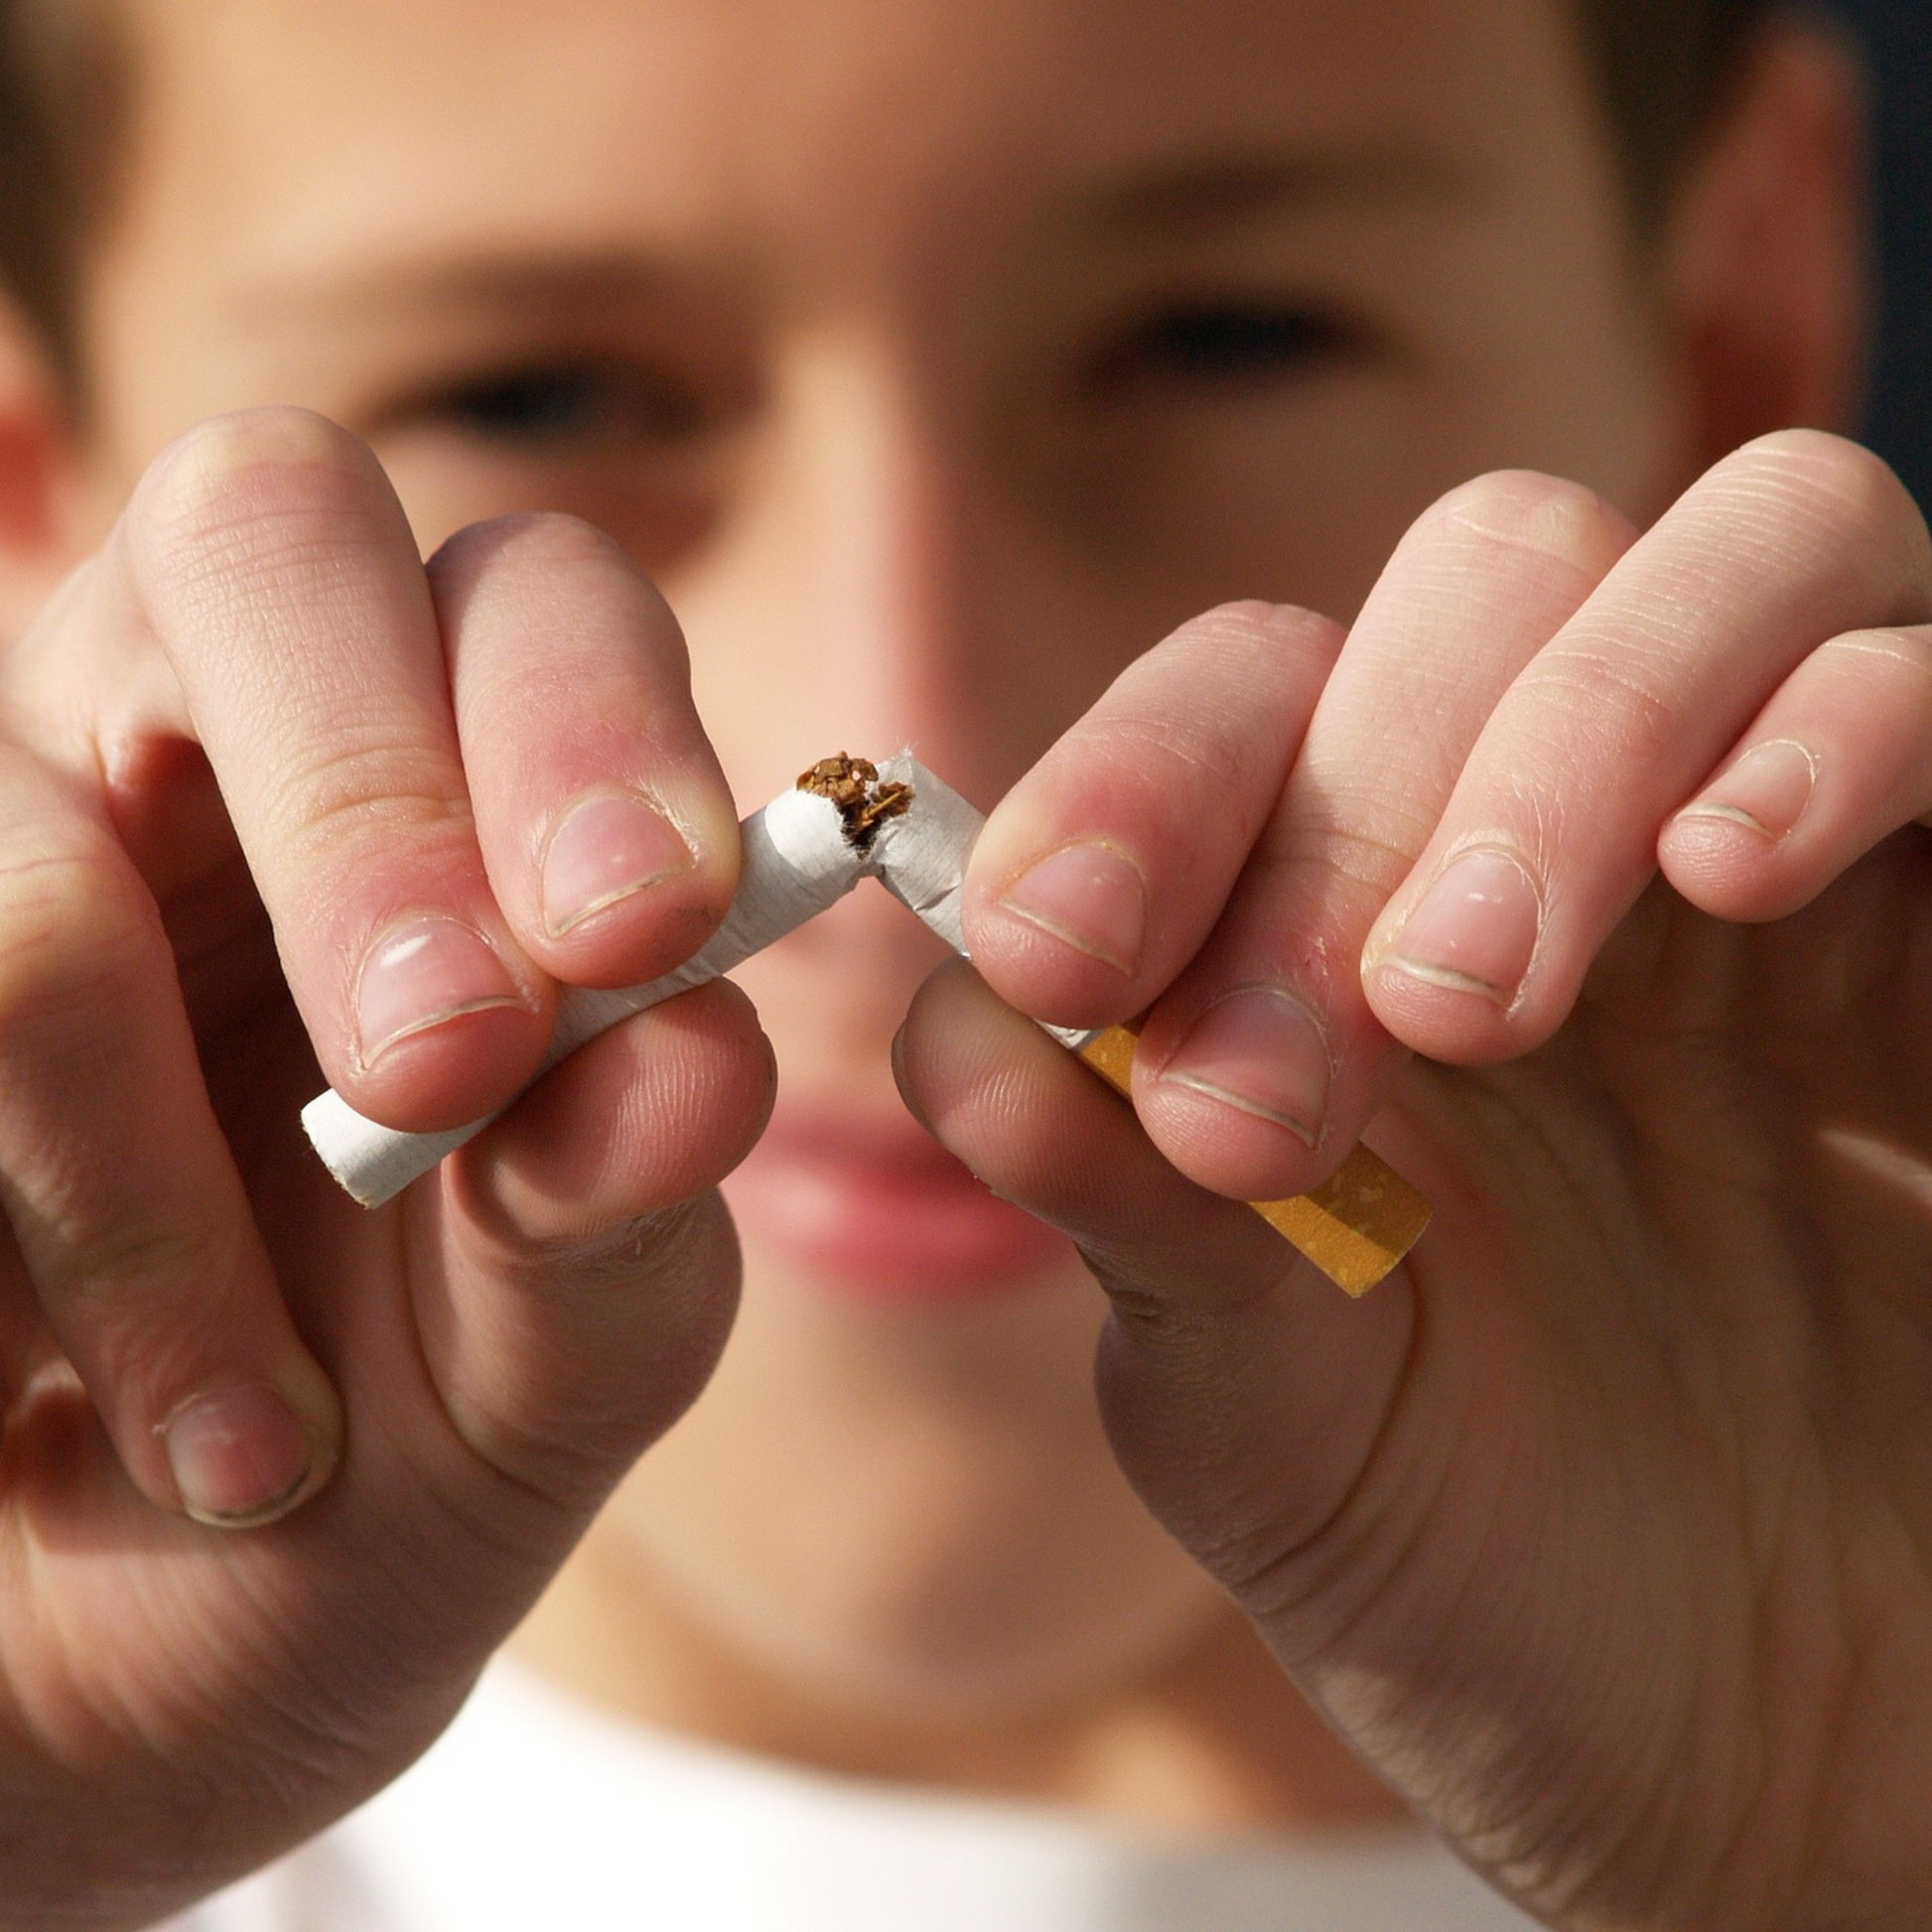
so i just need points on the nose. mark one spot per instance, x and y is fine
(871, 590)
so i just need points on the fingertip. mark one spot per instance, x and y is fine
(247, 1453)
(1238, 1094)
(445, 1024)
(630, 884)
(1434, 1013)
(985, 1081)
(1098, 877)
(1460, 969)
(1731, 867)
(1061, 933)
(584, 1269)
(903, 1079)
(952, 1023)
(1041, 1129)
(1730, 850)
(606, 828)
(1221, 1143)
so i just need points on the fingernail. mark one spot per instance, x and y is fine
(1767, 790)
(606, 847)
(1476, 931)
(421, 973)
(238, 1456)
(1257, 1049)
(1090, 896)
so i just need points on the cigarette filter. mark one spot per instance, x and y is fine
(846, 820)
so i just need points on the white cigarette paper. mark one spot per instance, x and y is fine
(798, 859)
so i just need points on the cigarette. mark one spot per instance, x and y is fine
(798, 861)
(848, 820)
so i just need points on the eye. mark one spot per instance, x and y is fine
(573, 402)
(1230, 344)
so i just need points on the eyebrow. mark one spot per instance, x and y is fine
(484, 282)
(1204, 193)
(1192, 193)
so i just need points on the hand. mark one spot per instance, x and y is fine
(1604, 1528)
(256, 721)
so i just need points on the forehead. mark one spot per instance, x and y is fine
(290, 127)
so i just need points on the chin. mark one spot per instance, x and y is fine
(895, 1498)
(943, 1629)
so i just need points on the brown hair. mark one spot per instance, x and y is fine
(65, 110)
(1663, 68)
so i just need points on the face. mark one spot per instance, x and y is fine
(936, 360)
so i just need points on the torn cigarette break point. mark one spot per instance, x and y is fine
(853, 785)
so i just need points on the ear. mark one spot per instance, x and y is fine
(42, 511)
(1767, 267)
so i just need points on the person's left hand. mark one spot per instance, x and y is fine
(1604, 1527)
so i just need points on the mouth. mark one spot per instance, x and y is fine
(876, 1210)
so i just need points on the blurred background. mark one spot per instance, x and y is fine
(1897, 37)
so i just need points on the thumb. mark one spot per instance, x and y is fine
(575, 1274)
(1242, 1391)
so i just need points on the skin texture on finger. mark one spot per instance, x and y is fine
(1553, 830)
(1839, 759)
(1256, 1072)
(576, 1274)
(129, 1217)
(1101, 871)
(281, 581)
(607, 827)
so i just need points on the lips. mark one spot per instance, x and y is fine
(877, 1211)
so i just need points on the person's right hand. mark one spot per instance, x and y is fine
(1592, 868)
(277, 1474)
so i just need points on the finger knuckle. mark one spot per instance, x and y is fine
(1193, 706)
(1270, 630)
(1541, 515)
(1336, 868)
(1854, 492)
(365, 800)
(248, 499)
(544, 539)
(1587, 694)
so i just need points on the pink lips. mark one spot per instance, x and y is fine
(880, 1211)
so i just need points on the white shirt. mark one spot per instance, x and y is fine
(534, 1812)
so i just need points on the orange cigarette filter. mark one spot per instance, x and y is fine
(1356, 1227)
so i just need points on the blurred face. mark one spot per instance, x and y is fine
(936, 360)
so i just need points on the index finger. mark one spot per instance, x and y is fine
(277, 573)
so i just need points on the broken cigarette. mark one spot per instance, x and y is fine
(846, 820)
